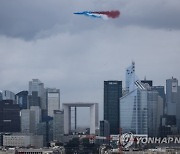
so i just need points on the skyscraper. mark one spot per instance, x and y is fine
(8, 95)
(112, 94)
(28, 121)
(9, 116)
(53, 101)
(161, 92)
(36, 86)
(21, 99)
(171, 95)
(130, 77)
(133, 112)
(58, 125)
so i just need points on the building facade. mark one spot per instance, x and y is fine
(58, 125)
(21, 99)
(22, 140)
(112, 94)
(36, 89)
(133, 112)
(9, 116)
(28, 121)
(171, 95)
(8, 95)
(53, 101)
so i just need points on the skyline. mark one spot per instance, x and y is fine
(45, 40)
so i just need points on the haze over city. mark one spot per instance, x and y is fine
(45, 40)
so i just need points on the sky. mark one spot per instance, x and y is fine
(43, 39)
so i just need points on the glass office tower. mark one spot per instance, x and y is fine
(112, 94)
(133, 112)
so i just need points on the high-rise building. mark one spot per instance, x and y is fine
(9, 116)
(8, 95)
(53, 101)
(0, 96)
(30, 118)
(28, 121)
(58, 125)
(130, 77)
(161, 92)
(21, 99)
(34, 99)
(46, 130)
(112, 94)
(177, 110)
(37, 111)
(36, 88)
(36, 85)
(155, 112)
(171, 95)
(134, 112)
(104, 128)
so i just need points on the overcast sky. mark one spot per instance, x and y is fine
(43, 39)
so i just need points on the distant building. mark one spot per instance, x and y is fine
(28, 121)
(30, 118)
(149, 82)
(105, 130)
(155, 112)
(46, 130)
(168, 125)
(21, 99)
(34, 99)
(112, 94)
(93, 115)
(177, 110)
(8, 95)
(37, 91)
(9, 116)
(23, 140)
(130, 78)
(58, 125)
(0, 96)
(53, 100)
(134, 112)
(141, 111)
(171, 95)
(161, 92)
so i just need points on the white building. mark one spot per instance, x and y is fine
(94, 118)
(20, 140)
(53, 100)
(8, 95)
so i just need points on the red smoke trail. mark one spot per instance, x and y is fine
(111, 14)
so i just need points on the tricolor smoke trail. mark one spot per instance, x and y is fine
(100, 14)
(110, 14)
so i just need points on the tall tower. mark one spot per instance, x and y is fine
(9, 116)
(130, 78)
(112, 94)
(37, 95)
(171, 95)
(53, 101)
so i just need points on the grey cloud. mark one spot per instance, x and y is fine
(31, 19)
